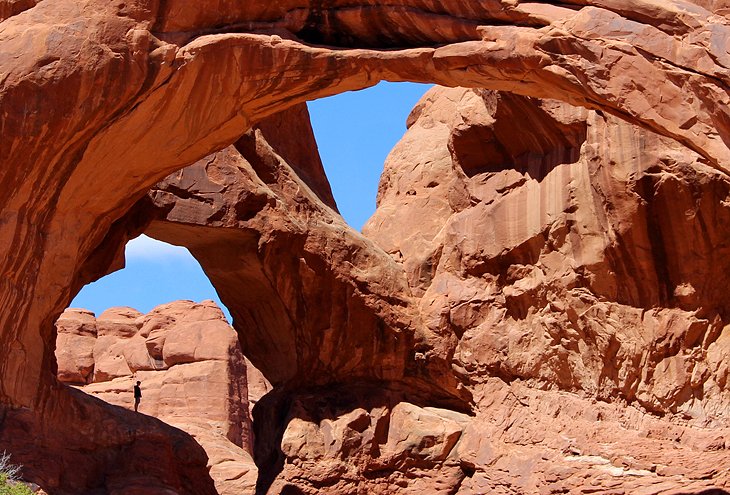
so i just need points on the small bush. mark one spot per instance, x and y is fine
(10, 483)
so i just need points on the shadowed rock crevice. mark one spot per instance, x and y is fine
(522, 134)
(9, 8)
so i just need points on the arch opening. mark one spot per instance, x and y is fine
(355, 132)
(155, 273)
(285, 203)
(159, 324)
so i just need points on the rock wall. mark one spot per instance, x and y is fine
(553, 274)
(566, 252)
(99, 101)
(521, 440)
(569, 250)
(193, 376)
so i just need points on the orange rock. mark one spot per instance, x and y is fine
(75, 346)
(200, 389)
(100, 101)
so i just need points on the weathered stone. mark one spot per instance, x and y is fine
(75, 346)
(428, 434)
(200, 389)
(500, 229)
(99, 101)
(314, 287)
(581, 247)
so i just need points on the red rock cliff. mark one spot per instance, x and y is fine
(554, 282)
(193, 376)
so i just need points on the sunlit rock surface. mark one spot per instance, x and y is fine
(192, 371)
(570, 250)
(559, 284)
(100, 101)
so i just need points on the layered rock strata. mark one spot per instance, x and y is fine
(567, 253)
(192, 371)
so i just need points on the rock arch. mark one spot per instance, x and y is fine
(101, 101)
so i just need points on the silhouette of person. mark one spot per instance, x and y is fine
(137, 396)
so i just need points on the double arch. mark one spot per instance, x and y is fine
(100, 102)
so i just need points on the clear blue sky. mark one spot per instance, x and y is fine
(355, 131)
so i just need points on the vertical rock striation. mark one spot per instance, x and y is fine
(573, 251)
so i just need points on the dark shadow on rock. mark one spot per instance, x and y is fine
(524, 135)
(75, 444)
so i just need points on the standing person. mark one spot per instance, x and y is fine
(137, 396)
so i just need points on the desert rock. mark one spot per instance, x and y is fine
(550, 241)
(100, 101)
(527, 327)
(314, 286)
(201, 389)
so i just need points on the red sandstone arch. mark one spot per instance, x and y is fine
(99, 101)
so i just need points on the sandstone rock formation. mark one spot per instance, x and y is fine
(522, 440)
(192, 372)
(568, 228)
(100, 101)
(555, 304)
(302, 285)
(567, 251)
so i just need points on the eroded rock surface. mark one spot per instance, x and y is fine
(521, 441)
(192, 371)
(574, 252)
(559, 283)
(99, 101)
(313, 287)
(569, 252)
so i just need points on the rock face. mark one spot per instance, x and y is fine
(560, 323)
(575, 252)
(314, 302)
(314, 287)
(100, 101)
(192, 372)
(569, 252)
(521, 440)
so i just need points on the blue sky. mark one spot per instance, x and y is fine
(355, 131)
